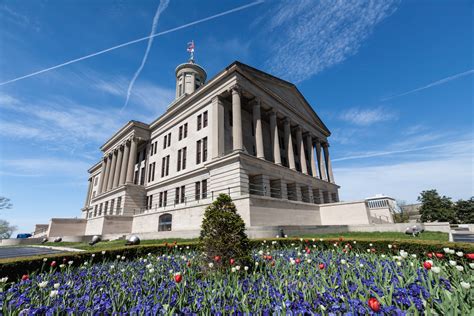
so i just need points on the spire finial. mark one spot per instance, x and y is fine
(191, 51)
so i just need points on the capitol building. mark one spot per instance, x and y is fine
(245, 133)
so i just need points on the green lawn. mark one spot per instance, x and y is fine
(434, 236)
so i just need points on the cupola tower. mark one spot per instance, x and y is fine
(189, 76)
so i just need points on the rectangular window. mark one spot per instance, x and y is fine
(160, 201)
(112, 207)
(179, 160)
(142, 176)
(197, 190)
(135, 180)
(184, 157)
(168, 165)
(176, 196)
(151, 149)
(165, 198)
(204, 188)
(180, 134)
(204, 149)
(169, 139)
(100, 209)
(150, 169)
(153, 172)
(198, 152)
(199, 122)
(119, 205)
(165, 141)
(95, 211)
(163, 166)
(185, 130)
(156, 145)
(183, 191)
(204, 119)
(150, 202)
(106, 207)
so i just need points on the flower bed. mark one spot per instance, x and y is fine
(293, 277)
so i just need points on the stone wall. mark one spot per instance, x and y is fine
(66, 227)
(344, 213)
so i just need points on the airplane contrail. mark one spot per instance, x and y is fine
(161, 7)
(438, 82)
(136, 41)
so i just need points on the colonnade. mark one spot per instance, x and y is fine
(320, 162)
(118, 166)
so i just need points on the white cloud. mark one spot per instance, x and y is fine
(366, 117)
(308, 36)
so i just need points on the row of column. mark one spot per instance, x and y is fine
(118, 166)
(321, 162)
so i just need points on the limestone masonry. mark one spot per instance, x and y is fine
(245, 133)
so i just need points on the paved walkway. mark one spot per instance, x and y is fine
(26, 251)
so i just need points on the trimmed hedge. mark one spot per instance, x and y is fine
(14, 268)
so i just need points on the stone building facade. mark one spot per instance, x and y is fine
(244, 132)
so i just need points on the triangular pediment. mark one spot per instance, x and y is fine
(285, 91)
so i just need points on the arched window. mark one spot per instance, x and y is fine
(164, 223)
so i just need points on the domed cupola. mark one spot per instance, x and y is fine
(189, 76)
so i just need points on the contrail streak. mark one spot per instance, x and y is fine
(161, 7)
(444, 80)
(136, 41)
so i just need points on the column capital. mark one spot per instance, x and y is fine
(287, 120)
(298, 129)
(325, 144)
(236, 89)
(216, 98)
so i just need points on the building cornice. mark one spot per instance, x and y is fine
(123, 132)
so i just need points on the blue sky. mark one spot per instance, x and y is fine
(392, 80)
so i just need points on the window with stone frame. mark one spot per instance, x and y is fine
(165, 222)
(204, 119)
(199, 122)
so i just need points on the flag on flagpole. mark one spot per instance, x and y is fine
(191, 47)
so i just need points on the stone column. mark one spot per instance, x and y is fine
(118, 167)
(131, 160)
(300, 144)
(257, 124)
(319, 155)
(289, 145)
(217, 127)
(309, 144)
(89, 190)
(328, 162)
(102, 174)
(237, 119)
(107, 173)
(275, 138)
(110, 181)
(123, 172)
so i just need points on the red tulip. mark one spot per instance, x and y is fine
(308, 251)
(217, 258)
(439, 255)
(306, 241)
(298, 260)
(427, 265)
(372, 250)
(232, 261)
(269, 257)
(374, 304)
(178, 278)
(470, 256)
(321, 266)
(188, 263)
(273, 263)
(430, 255)
(53, 264)
(25, 277)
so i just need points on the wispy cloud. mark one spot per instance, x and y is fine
(366, 117)
(433, 84)
(161, 7)
(313, 36)
(183, 26)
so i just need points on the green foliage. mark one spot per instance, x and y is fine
(223, 233)
(6, 230)
(401, 217)
(464, 210)
(436, 208)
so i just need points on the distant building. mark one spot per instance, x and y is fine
(413, 212)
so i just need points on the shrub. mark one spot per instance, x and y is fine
(223, 233)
